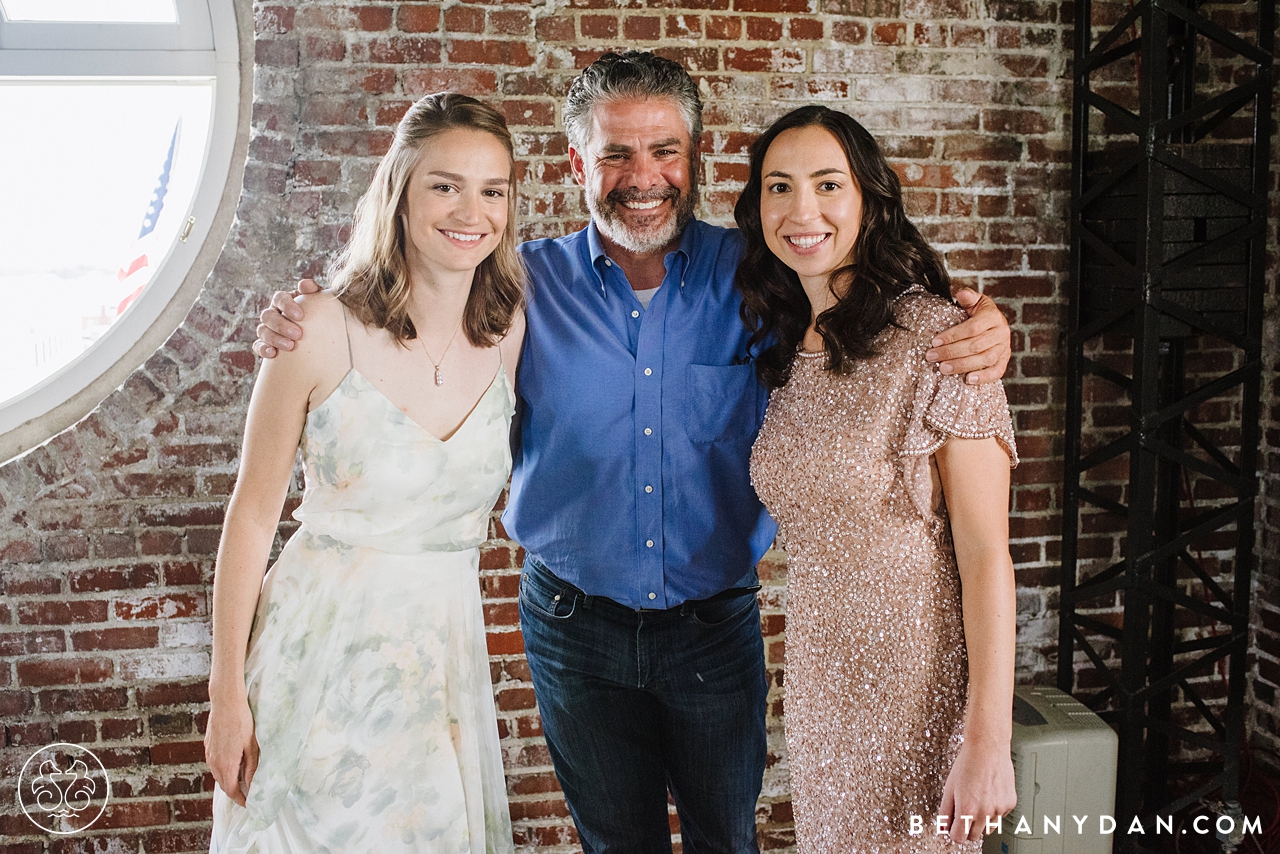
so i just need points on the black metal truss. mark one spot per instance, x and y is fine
(1168, 225)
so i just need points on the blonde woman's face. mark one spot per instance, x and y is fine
(456, 201)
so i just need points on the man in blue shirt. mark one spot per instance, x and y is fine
(631, 492)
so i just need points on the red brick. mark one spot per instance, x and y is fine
(134, 637)
(32, 585)
(321, 48)
(28, 734)
(198, 809)
(554, 29)
(763, 29)
(641, 28)
(889, 34)
(182, 515)
(279, 53)
(20, 551)
(505, 643)
(850, 32)
(510, 22)
(938, 9)
(273, 19)
(100, 579)
(463, 19)
(123, 544)
(181, 574)
(399, 50)
(374, 18)
(598, 26)
(764, 59)
(177, 752)
(535, 113)
(168, 606)
(512, 699)
(805, 29)
(1016, 121)
(683, 26)
(418, 17)
(365, 143)
(420, 82)
(121, 729)
(173, 694)
(488, 52)
(378, 81)
(133, 814)
(54, 613)
(176, 841)
(808, 88)
(64, 671)
(77, 732)
(62, 702)
(772, 6)
(724, 27)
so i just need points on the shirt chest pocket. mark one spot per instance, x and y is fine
(722, 403)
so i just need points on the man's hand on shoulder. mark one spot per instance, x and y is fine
(979, 347)
(278, 328)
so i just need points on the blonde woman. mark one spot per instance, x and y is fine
(351, 703)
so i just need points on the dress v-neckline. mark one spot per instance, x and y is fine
(456, 430)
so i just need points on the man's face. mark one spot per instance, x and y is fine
(637, 172)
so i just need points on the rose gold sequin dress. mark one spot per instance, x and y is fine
(876, 672)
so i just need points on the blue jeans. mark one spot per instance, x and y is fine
(634, 703)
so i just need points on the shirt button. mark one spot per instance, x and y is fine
(648, 372)
(653, 595)
(635, 313)
(648, 489)
(648, 431)
(648, 543)
(608, 263)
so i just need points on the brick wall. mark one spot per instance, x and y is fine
(108, 532)
(1265, 646)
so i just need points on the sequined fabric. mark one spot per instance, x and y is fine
(876, 672)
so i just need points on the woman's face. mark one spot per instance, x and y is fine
(455, 206)
(810, 204)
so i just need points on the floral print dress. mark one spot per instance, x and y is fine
(367, 669)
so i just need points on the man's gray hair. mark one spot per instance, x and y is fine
(632, 74)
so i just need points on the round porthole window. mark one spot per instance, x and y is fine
(120, 117)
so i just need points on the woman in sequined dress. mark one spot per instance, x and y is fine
(900, 607)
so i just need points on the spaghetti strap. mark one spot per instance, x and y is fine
(351, 362)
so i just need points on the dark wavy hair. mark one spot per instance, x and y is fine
(889, 256)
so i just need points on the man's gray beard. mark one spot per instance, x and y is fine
(650, 239)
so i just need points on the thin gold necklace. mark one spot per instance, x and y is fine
(435, 363)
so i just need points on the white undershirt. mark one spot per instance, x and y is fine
(646, 296)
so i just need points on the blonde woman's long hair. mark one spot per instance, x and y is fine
(371, 276)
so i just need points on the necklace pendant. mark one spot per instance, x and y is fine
(439, 377)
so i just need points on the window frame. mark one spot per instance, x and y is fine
(213, 40)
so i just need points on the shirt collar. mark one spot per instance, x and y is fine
(685, 252)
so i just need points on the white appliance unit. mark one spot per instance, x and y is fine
(1064, 763)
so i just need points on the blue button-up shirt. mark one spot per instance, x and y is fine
(631, 479)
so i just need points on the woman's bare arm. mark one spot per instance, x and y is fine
(975, 484)
(277, 414)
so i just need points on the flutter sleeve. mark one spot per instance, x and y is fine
(940, 406)
(945, 405)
